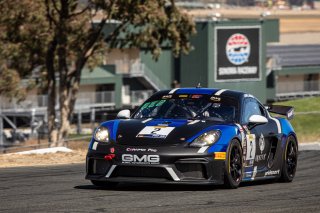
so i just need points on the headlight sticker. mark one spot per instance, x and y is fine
(155, 132)
(95, 145)
(202, 149)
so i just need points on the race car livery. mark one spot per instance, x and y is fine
(195, 136)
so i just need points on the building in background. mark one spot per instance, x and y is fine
(238, 54)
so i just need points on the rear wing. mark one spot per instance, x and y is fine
(281, 110)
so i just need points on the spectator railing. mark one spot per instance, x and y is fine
(293, 89)
(85, 99)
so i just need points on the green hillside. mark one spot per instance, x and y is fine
(307, 126)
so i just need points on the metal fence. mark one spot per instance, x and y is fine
(294, 89)
(91, 98)
(41, 101)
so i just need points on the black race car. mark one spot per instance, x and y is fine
(195, 136)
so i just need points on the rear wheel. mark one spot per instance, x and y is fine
(104, 184)
(233, 170)
(290, 159)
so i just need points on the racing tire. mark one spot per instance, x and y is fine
(233, 168)
(290, 160)
(104, 184)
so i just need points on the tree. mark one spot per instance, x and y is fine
(60, 37)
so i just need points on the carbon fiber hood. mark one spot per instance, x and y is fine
(130, 132)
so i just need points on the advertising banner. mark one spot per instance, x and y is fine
(237, 55)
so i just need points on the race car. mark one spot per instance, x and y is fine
(195, 136)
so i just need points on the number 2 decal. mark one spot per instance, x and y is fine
(155, 130)
(251, 147)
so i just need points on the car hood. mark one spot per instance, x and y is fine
(159, 132)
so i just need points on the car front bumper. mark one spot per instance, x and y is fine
(175, 165)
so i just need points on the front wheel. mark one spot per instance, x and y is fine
(290, 160)
(104, 184)
(233, 170)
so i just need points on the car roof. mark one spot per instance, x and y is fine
(204, 91)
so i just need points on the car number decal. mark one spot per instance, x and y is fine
(155, 132)
(251, 147)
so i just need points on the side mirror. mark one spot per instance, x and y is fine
(123, 114)
(255, 120)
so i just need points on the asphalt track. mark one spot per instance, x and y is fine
(63, 189)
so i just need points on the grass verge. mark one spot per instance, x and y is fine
(306, 122)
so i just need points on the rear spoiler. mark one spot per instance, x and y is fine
(281, 110)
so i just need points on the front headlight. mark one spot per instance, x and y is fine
(101, 134)
(206, 139)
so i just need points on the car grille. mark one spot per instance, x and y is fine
(139, 171)
(98, 166)
(192, 170)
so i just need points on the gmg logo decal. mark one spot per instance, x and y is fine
(238, 49)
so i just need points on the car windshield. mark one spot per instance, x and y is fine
(188, 107)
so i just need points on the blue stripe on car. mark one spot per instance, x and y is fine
(202, 91)
(115, 130)
(168, 122)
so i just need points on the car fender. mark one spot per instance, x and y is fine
(286, 130)
(112, 127)
(228, 133)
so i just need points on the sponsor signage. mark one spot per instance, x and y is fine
(237, 55)
(140, 159)
(270, 173)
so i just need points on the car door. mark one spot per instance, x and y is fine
(258, 137)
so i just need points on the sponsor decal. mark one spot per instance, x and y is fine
(140, 159)
(251, 147)
(260, 157)
(166, 96)
(155, 132)
(196, 96)
(152, 104)
(141, 150)
(220, 155)
(261, 143)
(261, 147)
(183, 96)
(270, 173)
(215, 98)
(238, 53)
